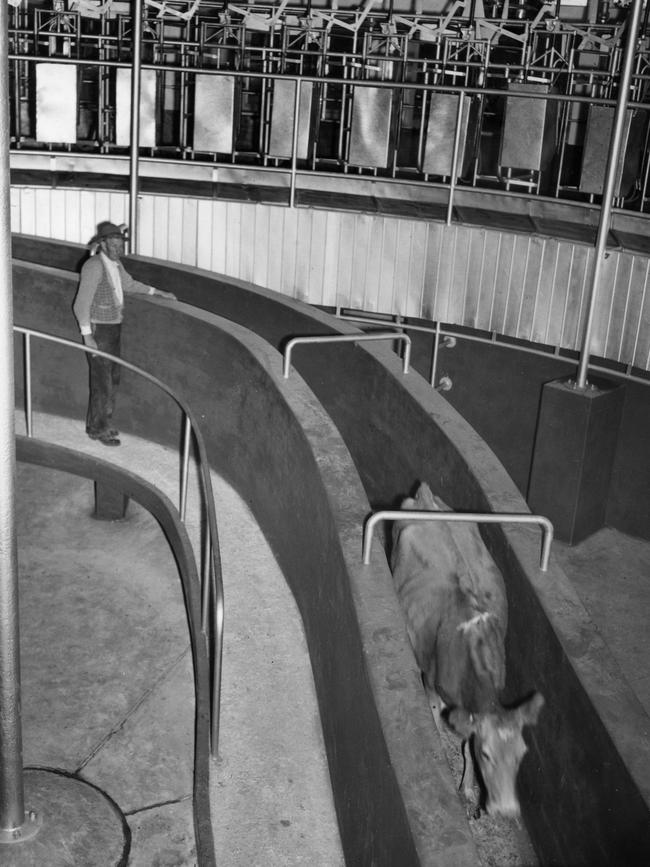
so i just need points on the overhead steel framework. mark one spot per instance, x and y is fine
(380, 92)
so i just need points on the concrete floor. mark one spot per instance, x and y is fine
(611, 573)
(107, 683)
(107, 678)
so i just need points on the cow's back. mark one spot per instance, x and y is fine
(453, 596)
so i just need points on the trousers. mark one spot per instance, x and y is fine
(104, 379)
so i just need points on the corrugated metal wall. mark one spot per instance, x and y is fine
(522, 286)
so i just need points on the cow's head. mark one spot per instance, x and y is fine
(498, 747)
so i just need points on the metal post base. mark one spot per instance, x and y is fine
(69, 822)
(30, 828)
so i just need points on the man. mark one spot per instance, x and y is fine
(99, 308)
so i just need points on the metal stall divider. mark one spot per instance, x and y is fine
(214, 102)
(441, 127)
(282, 119)
(147, 137)
(56, 103)
(371, 126)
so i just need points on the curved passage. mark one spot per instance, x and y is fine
(398, 431)
(46, 454)
(272, 441)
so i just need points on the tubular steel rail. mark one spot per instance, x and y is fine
(447, 337)
(462, 517)
(211, 575)
(345, 338)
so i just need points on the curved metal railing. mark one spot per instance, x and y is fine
(211, 575)
(448, 335)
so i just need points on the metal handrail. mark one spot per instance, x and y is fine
(494, 340)
(211, 575)
(345, 338)
(462, 517)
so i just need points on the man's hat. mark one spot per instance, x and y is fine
(107, 230)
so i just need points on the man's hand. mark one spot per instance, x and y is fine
(89, 341)
(168, 295)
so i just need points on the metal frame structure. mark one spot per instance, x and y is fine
(492, 61)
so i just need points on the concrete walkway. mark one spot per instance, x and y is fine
(107, 682)
(611, 573)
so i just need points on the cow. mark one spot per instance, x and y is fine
(454, 599)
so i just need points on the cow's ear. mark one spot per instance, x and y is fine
(529, 710)
(461, 722)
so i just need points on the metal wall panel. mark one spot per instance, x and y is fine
(576, 291)
(282, 117)
(524, 123)
(317, 230)
(543, 291)
(361, 259)
(521, 286)
(56, 103)
(370, 129)
(600, 121)
(382, 290)
(441, 130)
(431, 278)
(411, 303)
(634, 311)
(641, 356)
(331, 260)
(147, 108)
(302, 254)
(288, 247)
(204, 234)
(474, 281)
(274, 268)
(531, 286)
(347, 252)
(214, 101)
(233, 216)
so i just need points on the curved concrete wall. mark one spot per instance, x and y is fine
(273, 442)
(399, 431)
(496, 389)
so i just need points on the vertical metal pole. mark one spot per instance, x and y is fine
(454, 160)
(28, 384)
(218, 667)
(434, 357)
(294, 145)
(608, 191)
(206, 580)
(185, 463)
(136, 63)
(12, 795)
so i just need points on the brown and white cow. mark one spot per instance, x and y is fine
(454, 599)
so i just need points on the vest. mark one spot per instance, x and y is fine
(105, 309)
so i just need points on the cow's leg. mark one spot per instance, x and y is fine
(469, 784)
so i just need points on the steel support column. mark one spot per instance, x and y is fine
(134, 168)
(633, 19)
(12, 803)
